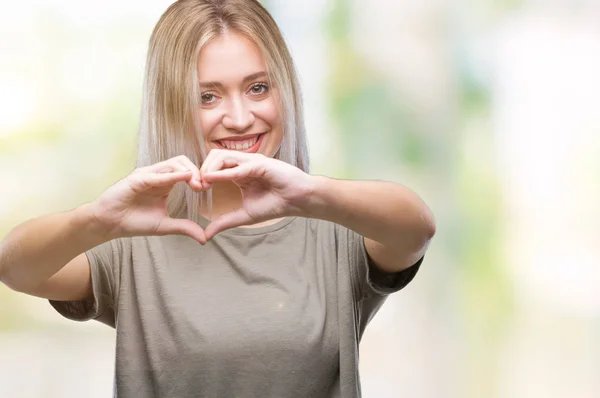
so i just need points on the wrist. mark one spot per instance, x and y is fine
(314, 202)
(97, 231)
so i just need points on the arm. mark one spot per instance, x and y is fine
(395, 223)
(34, 252)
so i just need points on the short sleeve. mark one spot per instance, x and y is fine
(105, 265)
(368, 280)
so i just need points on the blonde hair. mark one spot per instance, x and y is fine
(169, 124)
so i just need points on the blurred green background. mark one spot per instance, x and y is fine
(490, 110)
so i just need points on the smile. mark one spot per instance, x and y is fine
(249, 145)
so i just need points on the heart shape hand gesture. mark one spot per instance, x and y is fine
(137, 204)
(270, 188)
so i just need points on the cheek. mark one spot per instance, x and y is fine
(269, 112)
(209, 119)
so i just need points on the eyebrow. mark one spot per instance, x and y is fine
(246, 79)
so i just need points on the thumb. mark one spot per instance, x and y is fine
(179, 226)
(226, 221)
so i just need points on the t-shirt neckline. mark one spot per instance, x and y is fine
(251, 230)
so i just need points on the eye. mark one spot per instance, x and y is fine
(208, 98)
(259, 88)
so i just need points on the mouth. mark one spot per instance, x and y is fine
(250, 145)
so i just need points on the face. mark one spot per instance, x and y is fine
(238, 109)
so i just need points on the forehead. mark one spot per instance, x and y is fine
(228, 57)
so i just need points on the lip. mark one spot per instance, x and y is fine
(252, 149)
(239, 137)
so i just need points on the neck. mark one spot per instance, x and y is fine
(226, 197)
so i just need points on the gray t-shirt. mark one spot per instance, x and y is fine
(271, 311)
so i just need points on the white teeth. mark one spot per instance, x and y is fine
(239, 145)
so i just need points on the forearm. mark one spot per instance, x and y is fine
(385, 212)
(38, 248)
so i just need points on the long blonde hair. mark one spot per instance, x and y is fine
(169, 124)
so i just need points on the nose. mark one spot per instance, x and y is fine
(238, 116)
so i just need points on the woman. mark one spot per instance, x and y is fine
(252, 278)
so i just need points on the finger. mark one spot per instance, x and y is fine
(150, 180)
(212, 158)
(195, 181)
(211, 155)
(222, 163)
(168, 165)
(179, 226)
(191, 166)
(182, 165)
(164, 166)
(209, 158)
(234, 173)
(205, 185)
(226, 221)
(171, 167)
(223, 158)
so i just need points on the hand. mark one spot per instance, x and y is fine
(137, 204)
(270, 188)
